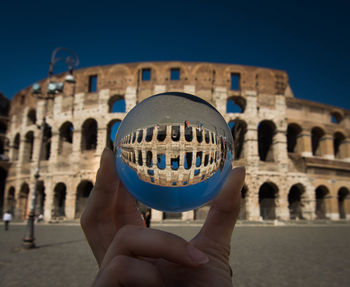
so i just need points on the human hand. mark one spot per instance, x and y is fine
(130, 255)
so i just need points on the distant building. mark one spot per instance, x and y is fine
(296, 152)
(4, 159)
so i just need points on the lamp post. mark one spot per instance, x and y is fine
(72, 60)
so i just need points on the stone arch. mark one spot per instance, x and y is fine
(339, 147)
(23, 201)
(16, 145)
(336, 117)
(317, 135)
(65, 142)
(203, 75)
(83, 191)
(31, 117)
(46, 149)
(236, 105)
(59, 200)
(267, 200)
(116, 104)
(293, 133)
(89, 135)
(3, 175)
(238, 131)
(40, 198)
(295, 201)
(344, 209)
(28, 146)
(118, 76)
(11, 200)
(321, 194)
(112, 129)
(266, 135)
(243, 210)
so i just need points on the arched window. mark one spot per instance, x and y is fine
(28, 147)
(23, 200)
(316, 137)
(336, 117)
(338, 145)
(65, 144)
(83, 191)
(89, 135)
(321, 193)
(16, 143)
(116, 104)
(46, 151)
(293, 132)
(266, 134)
(40, 199)
(344, 209)
(11, 200)
(59, 200)
(112, 130)
(243, 210)
(235, 105)
(161, 133)
(267, 200)
(294, 201)
(238, 130)
(31, 117)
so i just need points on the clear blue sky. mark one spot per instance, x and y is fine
(308, 39)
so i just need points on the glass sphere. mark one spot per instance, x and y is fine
(173, 152)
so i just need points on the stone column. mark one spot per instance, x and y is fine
(49, 197)
(54, 146)
(103, 98)
(130, 98)
(345, 150)
(70, 202)
(304, 144)
(76, 144)
(157, 215)
(220, 99)
(188, 216)
(326, 147)
(101, 139)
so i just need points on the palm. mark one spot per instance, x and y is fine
(215, 273)
(111, 208)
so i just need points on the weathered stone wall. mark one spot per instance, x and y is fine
(289, 182)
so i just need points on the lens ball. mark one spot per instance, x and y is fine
(173, 152)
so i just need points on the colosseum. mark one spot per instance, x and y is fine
(296, 152)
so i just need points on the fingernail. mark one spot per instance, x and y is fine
(196, 255)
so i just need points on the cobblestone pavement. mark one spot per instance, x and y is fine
(313, 255)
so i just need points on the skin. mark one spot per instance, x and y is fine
(129, 254)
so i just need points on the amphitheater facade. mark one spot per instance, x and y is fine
(296, 152)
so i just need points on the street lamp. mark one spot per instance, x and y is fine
(53, 88)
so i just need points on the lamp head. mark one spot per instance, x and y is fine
(36, 89)
(69, 79)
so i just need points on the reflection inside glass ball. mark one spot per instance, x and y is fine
(173, 152)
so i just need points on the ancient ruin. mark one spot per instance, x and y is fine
(296, 152)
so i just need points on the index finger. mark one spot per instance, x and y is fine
(224, 210)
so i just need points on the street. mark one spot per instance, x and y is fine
(305, 255)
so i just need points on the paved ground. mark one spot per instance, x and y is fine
(261, 256)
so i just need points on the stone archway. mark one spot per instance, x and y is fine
(59, 200)
(267, 200)
(320, 195)
(23, 201)
(243, 210)
(83, 191)
(295, 201)
(343, 194)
